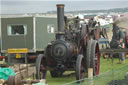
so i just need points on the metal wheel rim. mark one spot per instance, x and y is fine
(97, 61)
(40, 68)
(95, 58)
(82, 70)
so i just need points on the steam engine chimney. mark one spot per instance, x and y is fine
(60, 17)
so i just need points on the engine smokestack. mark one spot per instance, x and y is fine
(60, 17)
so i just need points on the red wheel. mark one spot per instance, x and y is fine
(80, 68)
(95, 58)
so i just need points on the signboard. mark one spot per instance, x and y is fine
(24, 50)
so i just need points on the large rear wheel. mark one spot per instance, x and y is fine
(95, 57)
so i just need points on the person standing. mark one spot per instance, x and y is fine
(122, 46)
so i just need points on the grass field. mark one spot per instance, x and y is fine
(106, 74)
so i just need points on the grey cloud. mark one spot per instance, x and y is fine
(11, 6)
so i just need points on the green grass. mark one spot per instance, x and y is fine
(108, 72)
(60, 80)
(106, 65)
(111, 71)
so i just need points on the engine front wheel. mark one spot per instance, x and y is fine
(41, 67)
(80, 68)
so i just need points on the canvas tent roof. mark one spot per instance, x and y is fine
(122, 22)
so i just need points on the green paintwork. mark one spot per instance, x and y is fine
(17, 41)
(42, 37)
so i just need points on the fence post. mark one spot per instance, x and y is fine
(90, 76)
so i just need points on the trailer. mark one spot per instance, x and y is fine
(24, 37)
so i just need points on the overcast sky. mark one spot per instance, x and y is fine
(41, 6)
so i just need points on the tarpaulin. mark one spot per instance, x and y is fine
(5, 72)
